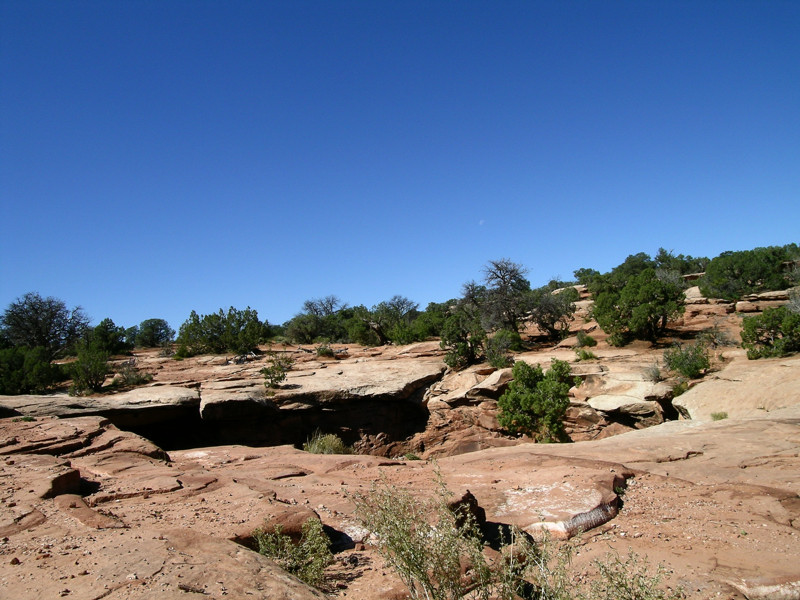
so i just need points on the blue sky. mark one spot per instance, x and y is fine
(158, 157)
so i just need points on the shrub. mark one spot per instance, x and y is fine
(463, 338)
(680, 388)
(324, 350)
(128, 375)
(428, 544)
(653, 373)
(714, 337)
(583, 354)
(27, 370)
(89, 371)
(499, 345)
(585, 340)
(423, 540)
(629, 579)
(275, 372)
(732, 275)
(775, 332)
(237, 331)
(307, 559)
(35, 322)
(719, 416)
(639, 309)
(326, 443)
(109, 338)
(552, 312)
(154, 333)
(535, 402)
(690, 361)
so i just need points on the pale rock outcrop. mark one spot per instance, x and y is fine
(744, 388)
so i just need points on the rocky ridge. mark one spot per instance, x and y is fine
(88, 510)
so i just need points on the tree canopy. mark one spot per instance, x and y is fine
(35, 322)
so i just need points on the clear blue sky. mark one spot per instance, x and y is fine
(158, 157)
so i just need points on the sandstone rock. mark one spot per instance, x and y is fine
(744, 388)
(644, 413)
(242, 402)
(140, 404)
(693, 295)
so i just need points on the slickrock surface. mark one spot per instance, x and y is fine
(90, 511)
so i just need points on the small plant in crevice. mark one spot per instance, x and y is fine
(326, 443)
(585, 340)
(680, 388)
(275, 372)
(653, 374)
(128, 375)
(583, 354)
(690, 361)
(307, 559)
(719, 416)
(324, 350)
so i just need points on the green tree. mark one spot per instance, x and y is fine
(89, 371)
(109, 337)
(535, 402)
(732, 275)
(237, 331)
(640, 309)
(552, 312)
(463, 334)
(507, 294)
(27, 370)
(775, 332)
(154, 333)
(500, 345)
(35, 322)
(668, 260)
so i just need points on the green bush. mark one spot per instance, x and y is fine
(109, 338)
(306, 560)
(775, 332)
(463, 337)
(89, 371)
(719, 416)
(732, 275)
(653, 373)
(639, 309)
(324, 350)
(128, 376)
(423, 540)
(552, 312)
(237, 331)
(27, 370)
(35, 322)
(275, 372)
(326, 443)
(428, 542)
(535, 402)
(585, 340)
(154, 333)
(584, 354)
(690, 361)
(499, 346)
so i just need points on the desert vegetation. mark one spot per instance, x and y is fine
(437, 548)
(536, 401)
(636, 300)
